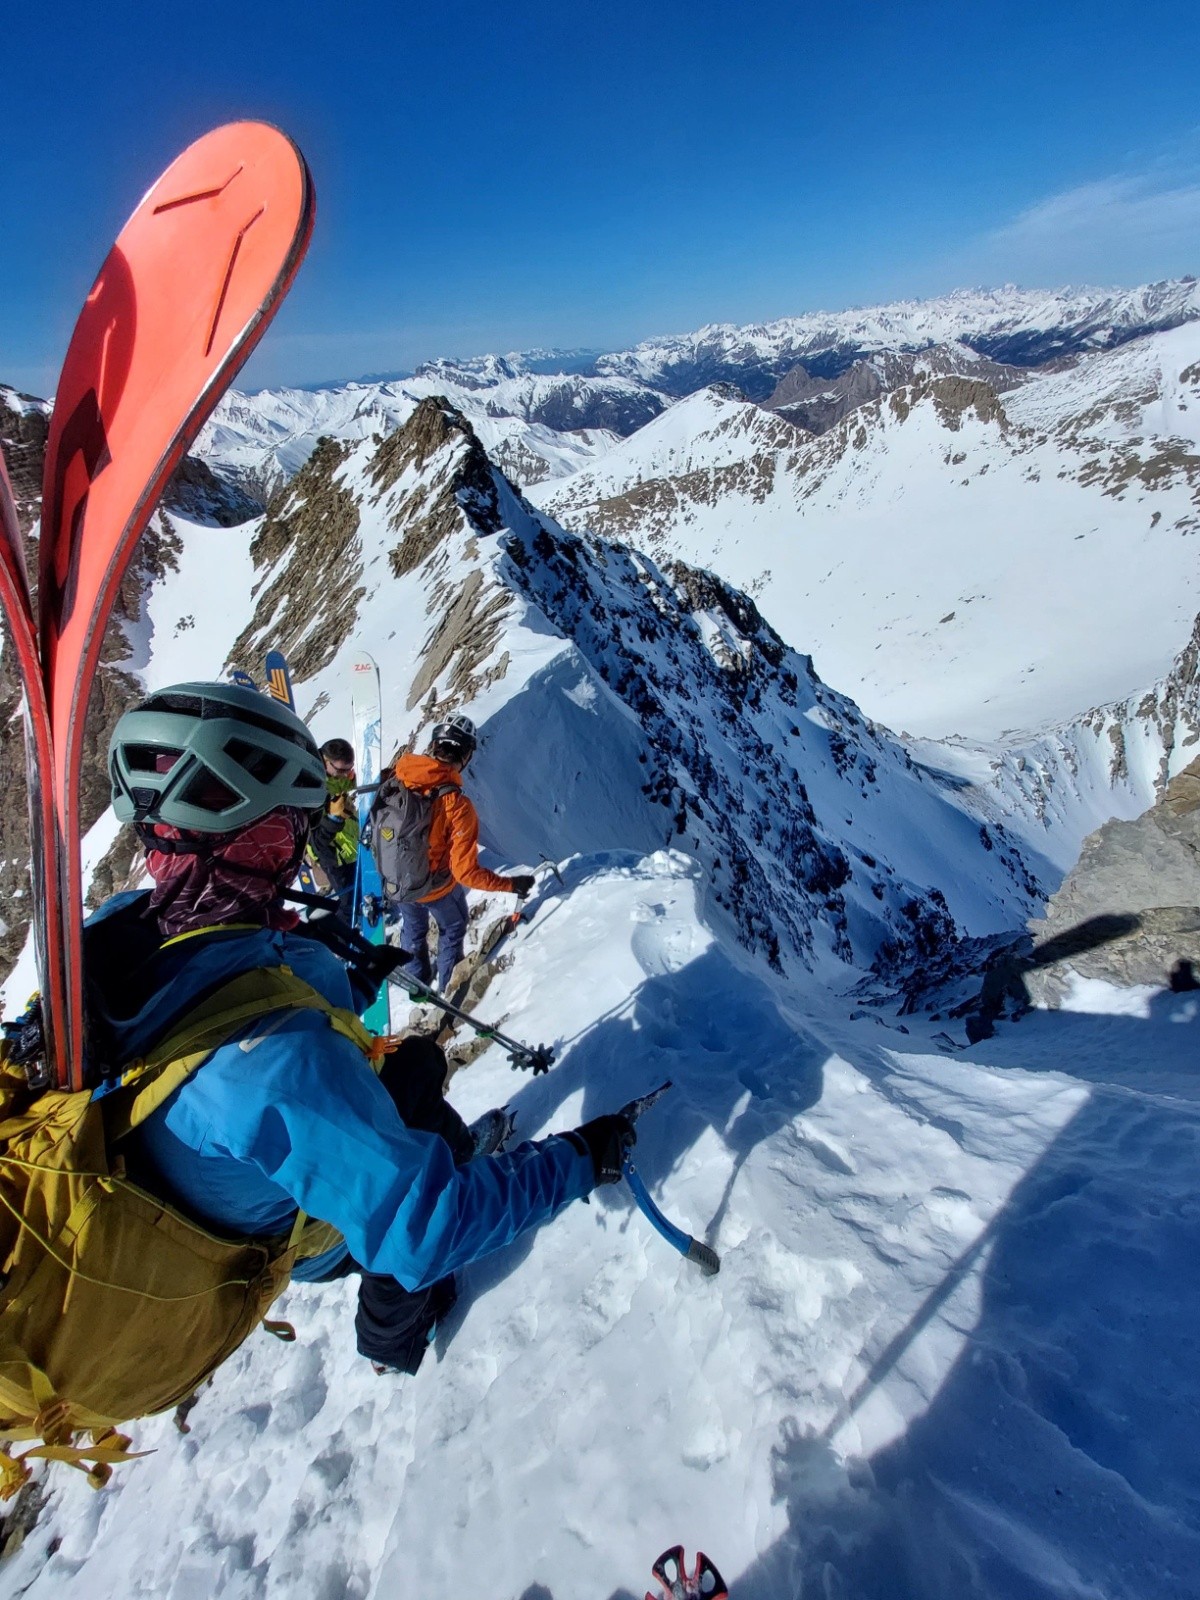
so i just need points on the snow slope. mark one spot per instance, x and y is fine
(949, 1351)
(958, 563)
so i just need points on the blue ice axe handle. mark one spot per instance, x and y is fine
(707, 1260)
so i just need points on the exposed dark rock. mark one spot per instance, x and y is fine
(427, 514)
(197, 493)
(464, 635)
(309, 548)
(1139, 882)
(23, 435)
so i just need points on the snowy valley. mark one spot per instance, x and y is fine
(949, 1352)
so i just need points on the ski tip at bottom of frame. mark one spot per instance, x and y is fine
(704, 1582)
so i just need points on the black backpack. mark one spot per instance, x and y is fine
(399, 823)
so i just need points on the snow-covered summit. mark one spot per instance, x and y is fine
(959, 560)
(1020, 326)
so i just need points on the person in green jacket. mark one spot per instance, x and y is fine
(333, 844)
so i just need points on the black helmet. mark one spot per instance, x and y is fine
(212, 757)
(456, 738)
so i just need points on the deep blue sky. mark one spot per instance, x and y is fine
(502, 176)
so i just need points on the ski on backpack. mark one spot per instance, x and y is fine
(182, 299)
(704, 1582)
(242, 679)
(369, 903)
(279, 679)
(278, 684)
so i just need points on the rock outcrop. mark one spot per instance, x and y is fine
(1137, 886)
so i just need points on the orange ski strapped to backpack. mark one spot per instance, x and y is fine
(113, 1304)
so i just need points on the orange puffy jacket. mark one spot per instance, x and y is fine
(453, 827)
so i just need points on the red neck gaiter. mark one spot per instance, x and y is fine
(227, 877)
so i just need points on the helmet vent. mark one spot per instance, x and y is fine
(206, 792)
(263, 765)
(150, 757)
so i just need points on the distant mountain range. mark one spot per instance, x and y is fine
(544, 414)
(958, 554)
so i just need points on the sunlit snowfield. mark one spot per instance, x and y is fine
(951, 1349)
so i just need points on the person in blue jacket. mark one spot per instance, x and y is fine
(222, 785)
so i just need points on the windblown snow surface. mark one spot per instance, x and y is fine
(951, 1351)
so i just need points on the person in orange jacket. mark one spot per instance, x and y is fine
(453, 852)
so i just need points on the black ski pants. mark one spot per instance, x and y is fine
(393, 1323)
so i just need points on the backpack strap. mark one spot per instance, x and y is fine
(149, 1081)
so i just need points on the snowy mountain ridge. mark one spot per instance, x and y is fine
(957, 559)
(949, 1278)
(543, 416)
(1026, 327)
(722, 715)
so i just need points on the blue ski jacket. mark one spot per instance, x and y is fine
(290, 1115)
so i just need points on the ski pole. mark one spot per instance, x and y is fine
(694, 1249)
(378, 963)
(537, 1058)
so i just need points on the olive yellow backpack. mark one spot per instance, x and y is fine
(113, 1304)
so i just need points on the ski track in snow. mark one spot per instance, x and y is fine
(949, 1351)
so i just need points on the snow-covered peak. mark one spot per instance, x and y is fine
(668, 712)
(535, 426)
(1020, 326)
(960, 561)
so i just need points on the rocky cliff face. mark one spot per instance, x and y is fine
(1129, 911)
(816, 403)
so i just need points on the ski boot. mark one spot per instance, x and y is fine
(492, 1131)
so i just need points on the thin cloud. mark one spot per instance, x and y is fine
(1120, 229)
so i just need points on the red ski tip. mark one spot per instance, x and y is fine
(704, 1583)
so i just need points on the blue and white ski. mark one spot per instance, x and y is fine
(369, 902)
(279, 679)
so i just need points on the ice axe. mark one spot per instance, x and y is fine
(694, 1249)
